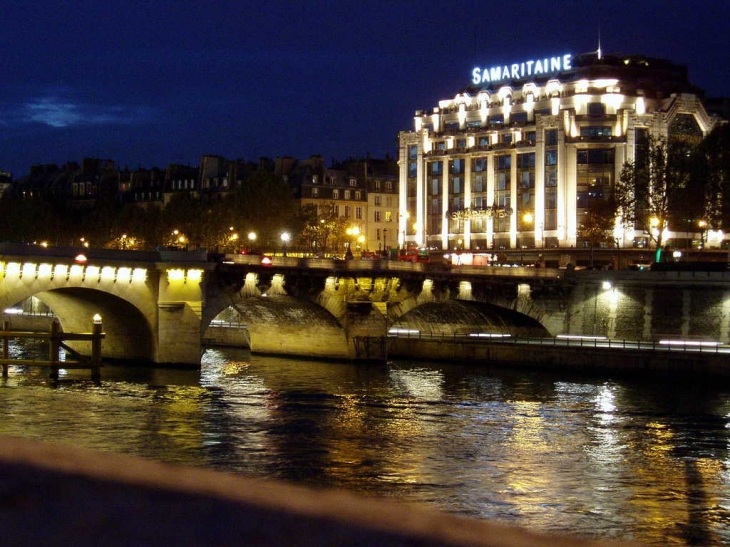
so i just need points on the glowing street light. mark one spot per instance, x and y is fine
(284, 240)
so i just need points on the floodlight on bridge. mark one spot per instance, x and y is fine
(45, 270)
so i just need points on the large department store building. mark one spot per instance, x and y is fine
(512, 160)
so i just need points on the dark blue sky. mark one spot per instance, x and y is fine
(153, 83)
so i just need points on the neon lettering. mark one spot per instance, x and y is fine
(515, 71)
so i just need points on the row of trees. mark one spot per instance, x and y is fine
(674, 183)
(263, 205)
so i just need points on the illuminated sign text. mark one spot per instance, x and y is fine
(517, 71)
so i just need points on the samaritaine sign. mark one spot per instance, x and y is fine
(517, 71)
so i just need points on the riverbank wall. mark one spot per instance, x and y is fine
(63, 495)
(585, 359)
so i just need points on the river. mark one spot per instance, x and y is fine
(596, 456)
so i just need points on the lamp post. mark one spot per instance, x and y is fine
(385, 239)
(702, 224)
(284, 240)
(352, 232)
(251, 239)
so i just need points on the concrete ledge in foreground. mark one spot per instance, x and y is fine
(55, 495)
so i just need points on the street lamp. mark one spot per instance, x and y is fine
(284, 240)
(251, 239)
(702, 224)
(352, 232)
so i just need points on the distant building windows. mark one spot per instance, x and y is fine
(315, 192)
(388, 216)
(347, 194)
(596, 131)
(389, 186)
(358, 195)
(377, 200)
(596, 109)
(376, 216)
(358, 213)
(336, 193)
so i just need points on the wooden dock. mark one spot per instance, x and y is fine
(56, 340)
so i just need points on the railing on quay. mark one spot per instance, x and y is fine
(577, 341)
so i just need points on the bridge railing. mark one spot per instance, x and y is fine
(689, 345)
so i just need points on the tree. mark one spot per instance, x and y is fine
(322, 228)
(649, 190)
(711, 173)
(598, 222)
(264, 204)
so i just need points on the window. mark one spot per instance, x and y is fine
(347, 194)
(389, 186)
(412, 169)
(596, 109)
(353, 182)
(504, 162)
(502, 181)
(436, 168)
(358, 213)
(594, 174)
(519, 117)
(315, 192)
(479, 183)
(376, 216)
(377, 185)
(413, 152)
(456, 185)
(435, 186)
(347, 211)
(526, 161)
(551, 157)
(376, 200)
(335, 194)
(456, 166)
(461, 143)
(480, 165)
(388, 216)
(596, 131)
(358, 195)
(551, 137)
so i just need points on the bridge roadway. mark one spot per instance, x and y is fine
(159, 306)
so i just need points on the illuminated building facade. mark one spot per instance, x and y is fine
(511, 160)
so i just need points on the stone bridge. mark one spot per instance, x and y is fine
(161, 306)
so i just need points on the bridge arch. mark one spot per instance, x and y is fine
(460, 317)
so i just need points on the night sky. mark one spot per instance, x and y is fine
(158, 82)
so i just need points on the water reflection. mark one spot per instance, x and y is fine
(604, 458)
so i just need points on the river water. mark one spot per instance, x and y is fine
(595, 456)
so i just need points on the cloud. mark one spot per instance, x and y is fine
(57, 112)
